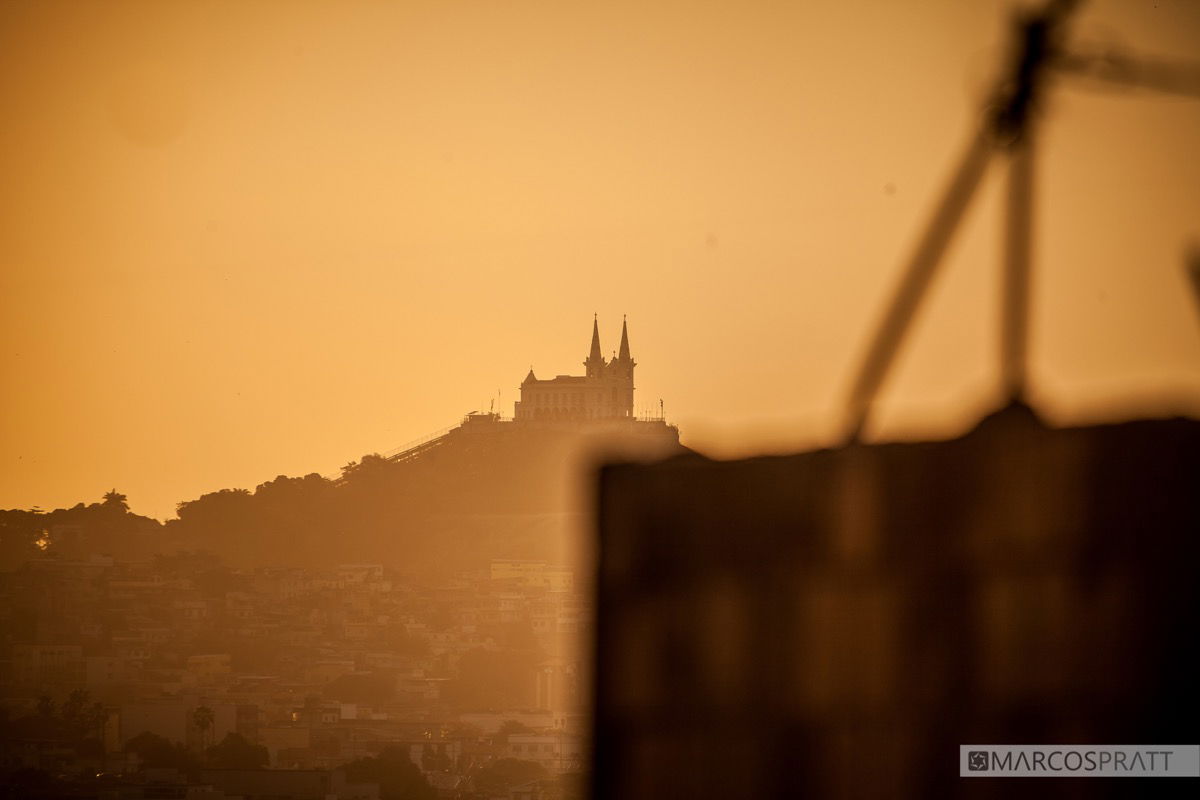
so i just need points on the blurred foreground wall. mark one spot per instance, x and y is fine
(835, 624)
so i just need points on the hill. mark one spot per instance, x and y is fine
(488, 488)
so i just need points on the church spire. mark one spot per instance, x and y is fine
(595, 354)
(623, 355)
(595, 359)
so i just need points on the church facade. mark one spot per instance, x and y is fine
(603, 392)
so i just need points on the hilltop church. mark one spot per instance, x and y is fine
(603, 392)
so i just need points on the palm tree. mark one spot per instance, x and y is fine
(95, 720)
(202, 718)
(115, 500)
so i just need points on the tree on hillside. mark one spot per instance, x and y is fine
(216, 508)
(115, 501)
(106, 527)
(299, 511)
(288, 521)
(222, 521)
(22, 536)
(369, 467)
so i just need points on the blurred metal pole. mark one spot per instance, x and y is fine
(1117, 69)
(1037, 37)
(921, 267)
(1192, 268)
(1018, 255)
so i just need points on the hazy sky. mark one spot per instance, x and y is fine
(240, 239)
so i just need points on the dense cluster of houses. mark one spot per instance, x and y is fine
(319, 667)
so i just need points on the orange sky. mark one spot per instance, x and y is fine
(244, 239)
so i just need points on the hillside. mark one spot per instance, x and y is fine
(488, 488)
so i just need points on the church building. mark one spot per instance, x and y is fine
(604, 391)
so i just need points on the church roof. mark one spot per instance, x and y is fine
(530, 378)
(565, 379)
